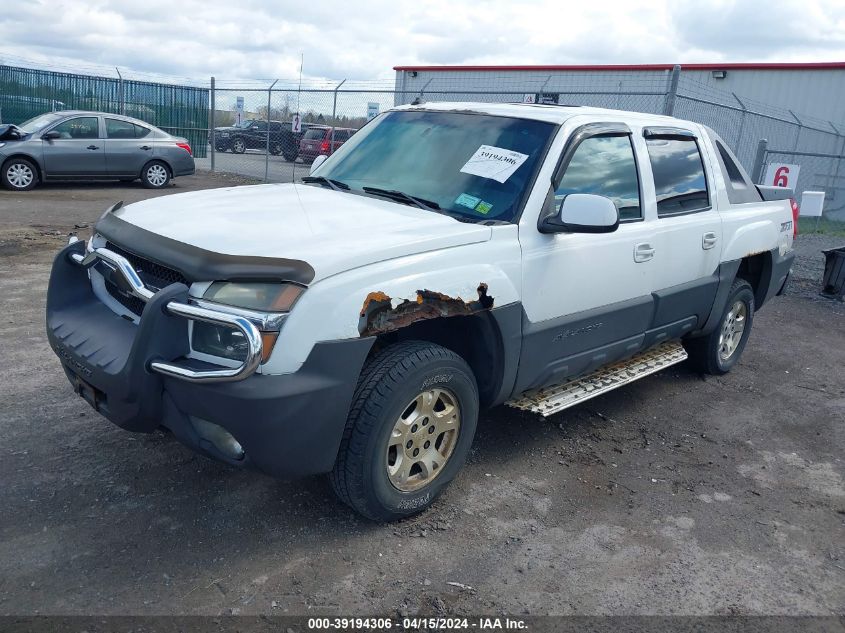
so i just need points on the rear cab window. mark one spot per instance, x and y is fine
(680, 181)
(738, 185)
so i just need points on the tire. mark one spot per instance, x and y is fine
(155, 175)
(19, 174)
(400, 388)
(238, 146)
(720, 350)
(290, 155)
(276, 149)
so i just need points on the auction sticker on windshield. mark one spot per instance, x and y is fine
(494, 163)
(467, 200)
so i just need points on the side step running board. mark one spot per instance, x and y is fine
(550, 400)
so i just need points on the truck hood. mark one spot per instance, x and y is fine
(332, 231)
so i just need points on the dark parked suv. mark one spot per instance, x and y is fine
(252, 134)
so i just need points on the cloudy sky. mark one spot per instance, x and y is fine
(365, 39)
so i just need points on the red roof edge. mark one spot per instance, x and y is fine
(631, 67)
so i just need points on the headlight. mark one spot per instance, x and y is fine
(260, 296)
(263, 296)
(2, 144)
(224, 134)
(219, 341)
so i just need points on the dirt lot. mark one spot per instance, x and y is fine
(674, 495)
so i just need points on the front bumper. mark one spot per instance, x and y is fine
(288, 425)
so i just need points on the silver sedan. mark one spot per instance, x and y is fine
(76, 145)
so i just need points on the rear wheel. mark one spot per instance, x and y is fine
(155, 175)
(719, 351)
(409, 430)
(276, 149)
(19, 174)
(290, 153)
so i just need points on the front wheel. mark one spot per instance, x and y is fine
(238, 146)
(19, 174)
(719, 351)
(156, 175)
(409, 430)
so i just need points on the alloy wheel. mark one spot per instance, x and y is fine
(423, 439)
(732, 329)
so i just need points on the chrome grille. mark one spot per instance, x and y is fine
(154, 275)
(130, 302)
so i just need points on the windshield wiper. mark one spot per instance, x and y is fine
(422, 203)
(331, 182)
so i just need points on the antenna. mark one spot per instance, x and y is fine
(299, 90)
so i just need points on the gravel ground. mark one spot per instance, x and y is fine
(674, 495)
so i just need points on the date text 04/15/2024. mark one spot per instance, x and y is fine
(417, 623)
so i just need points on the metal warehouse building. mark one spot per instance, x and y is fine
(815, 90)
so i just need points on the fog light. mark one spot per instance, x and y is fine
(222, 440)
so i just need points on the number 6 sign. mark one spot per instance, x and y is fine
(782, 175)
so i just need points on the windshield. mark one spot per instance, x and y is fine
(36, 124)
(472, 165)
(244, 123)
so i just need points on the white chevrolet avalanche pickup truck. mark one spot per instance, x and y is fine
(448, 258)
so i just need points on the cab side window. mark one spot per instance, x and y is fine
(679, 180)
(79, 128)
(604, 165)
(119, 129)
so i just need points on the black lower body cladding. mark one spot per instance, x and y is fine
(288, 425)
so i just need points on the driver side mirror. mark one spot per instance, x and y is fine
(317, 162)
(583, 213)
(51, 135)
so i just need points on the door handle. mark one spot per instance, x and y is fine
(643, 252)
(708, 241)
(145, 147)
(92, 147)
